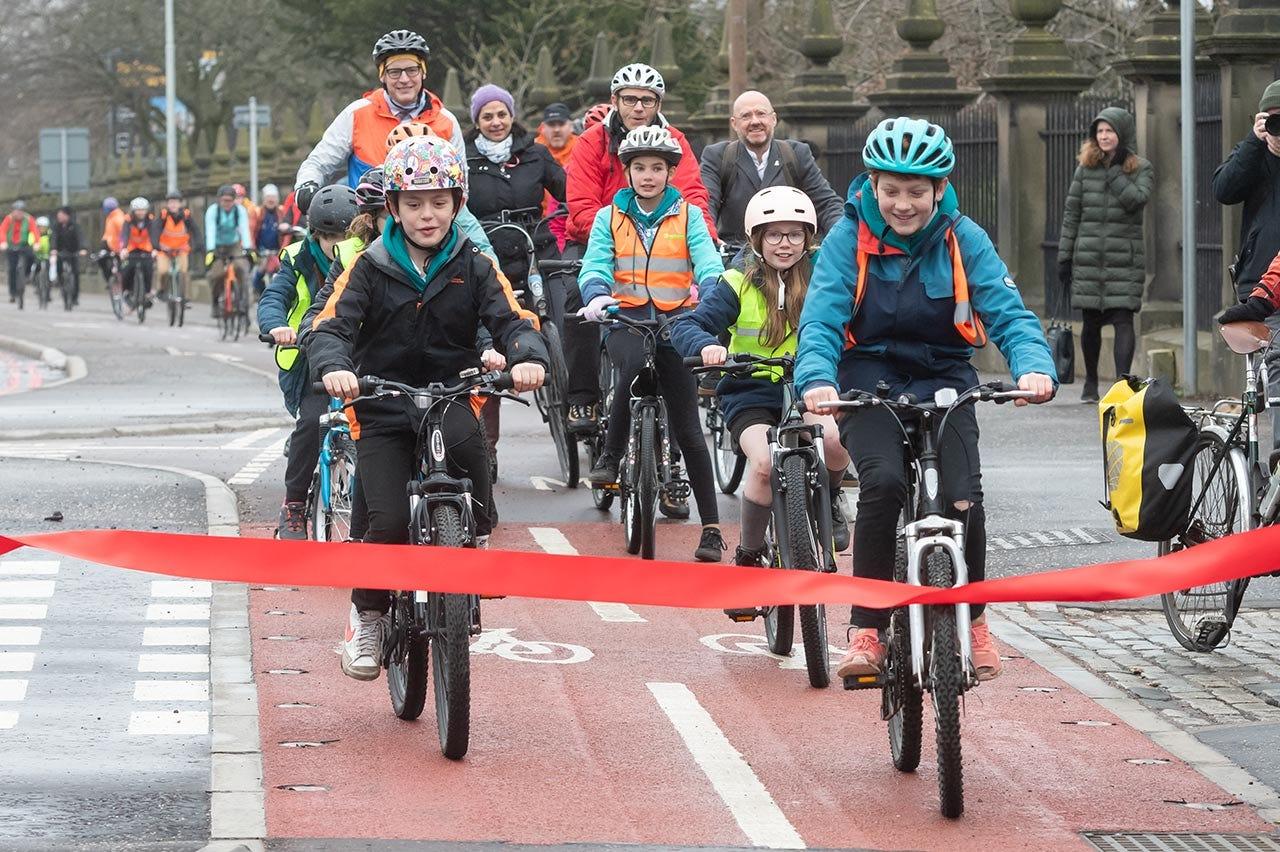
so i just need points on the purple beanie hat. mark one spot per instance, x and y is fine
(488, 93)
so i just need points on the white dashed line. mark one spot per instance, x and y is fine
(15, 567)
(13, 690)
(174, 663)
(19, 635)
(180, 589)
(553, 541)
(17, 661)
(26, 588)
(755, 811)
(249, 474)
(244, 442)
(177, 612)
(182, 723)
(8, 718)
(171, 690)
(23, 612)
(152, 636)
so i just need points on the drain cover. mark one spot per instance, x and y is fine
(1170, 842)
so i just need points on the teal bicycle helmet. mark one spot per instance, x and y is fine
(909, 146)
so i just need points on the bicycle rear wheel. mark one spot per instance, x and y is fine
(21, 284)
(139, 294)
(800, 553)
(1200, 618)
(334, 523)
(450, 618)
(43, 288)
(726, 461)
(67, 282)
(407, 657)
(779, 621)
(554, 401)
(902, 700)
(946, 676)
(115, 290)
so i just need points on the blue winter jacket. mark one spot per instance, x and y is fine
(829, 308)
(277, 301)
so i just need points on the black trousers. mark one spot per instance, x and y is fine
(135, 260)
(385, 463)
(581, 340)
(21, 258)
(680, 390)
(304, 446)
(873, 439)
(1091, 340)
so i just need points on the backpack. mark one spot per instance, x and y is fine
(729, 161)
(1147, 445)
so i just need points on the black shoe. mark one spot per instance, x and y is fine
(583, 418)
(710, 546)
(674, 499)
(748, 558)
(839, 525)
(1090, 392)
(850, 479)
(605, 470)
(293, 522)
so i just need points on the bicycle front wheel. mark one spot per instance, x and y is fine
(946, 676)
(555, 401)
(1201, 617)
(43, 289)
(800, 553)
(407, 658)
(901, 699)
(779, 621)
(450, 620)
(116, 290)
(726, 461)
(646, 484)
(140, 294)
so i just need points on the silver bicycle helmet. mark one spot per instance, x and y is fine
(650, 141)
(637, 75)
(400, 41)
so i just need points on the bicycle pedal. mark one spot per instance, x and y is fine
(863, 682)
(742, 616)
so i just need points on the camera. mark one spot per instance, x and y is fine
(1273, 125)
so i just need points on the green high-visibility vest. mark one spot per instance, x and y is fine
(745, 333)
(348, 250)
(287, 357)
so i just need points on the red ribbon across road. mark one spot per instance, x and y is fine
(631, 581)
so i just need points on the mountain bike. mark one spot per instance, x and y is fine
(440, 515)
(799, 536)
(40, 280)
(1231, 491)
(176, 287)
(115, 287)
(233, 307)
(64, 272)
(20, 278)
(929, 647)
(727, 461)
(135, 290)
(552, 398)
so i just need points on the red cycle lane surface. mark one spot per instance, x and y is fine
(584, 751)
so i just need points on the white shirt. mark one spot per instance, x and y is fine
(761, 161)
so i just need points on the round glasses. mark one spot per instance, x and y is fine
(775, 238)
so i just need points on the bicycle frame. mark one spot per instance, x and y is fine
(334, 422)
(793, 436)
(644, 393)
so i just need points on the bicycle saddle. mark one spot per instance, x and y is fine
(1245, 338)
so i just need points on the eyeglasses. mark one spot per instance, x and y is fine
(413, 72)
(758, 114)
(775, 238)
(647, 101)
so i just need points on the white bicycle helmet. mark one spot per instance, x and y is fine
(42, 222)
(637, 75)
(139, 204)
(779, 204)
(650, 141)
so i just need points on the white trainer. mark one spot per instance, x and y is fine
(362, 647)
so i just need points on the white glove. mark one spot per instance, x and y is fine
(595, 309)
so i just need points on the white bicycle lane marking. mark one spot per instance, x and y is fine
(501, 641)
(553, 541)
(745, 644)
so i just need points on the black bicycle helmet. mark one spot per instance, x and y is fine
(370, 194)
(227, 191)
(400, 41)
(332, 209)
(174, 196)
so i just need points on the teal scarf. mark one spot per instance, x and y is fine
(627, 201)
(317, 254)
(398, 249)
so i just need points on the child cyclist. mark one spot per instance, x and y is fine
(760, 309)
(293, 288)
(904, 290)
(646, 252)
(407, 310)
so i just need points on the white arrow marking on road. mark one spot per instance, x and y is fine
(545, 483)
(755, 811)
(246, 441)
(553, 541)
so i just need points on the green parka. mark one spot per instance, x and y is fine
(1102, 227)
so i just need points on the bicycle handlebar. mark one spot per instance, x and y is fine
(739, 362)
(997, 392)
(559, 267)
(373, 387)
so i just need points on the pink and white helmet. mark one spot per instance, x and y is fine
(423, 162)
(779, 204)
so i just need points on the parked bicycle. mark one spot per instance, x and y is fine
(1231, 492)
(799, 536)
(440, 515)
(929, 647)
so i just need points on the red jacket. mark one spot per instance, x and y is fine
(20, 224)
(595, 175)
(1269, 285)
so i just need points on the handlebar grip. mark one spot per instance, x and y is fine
(318, 387)
(693, 361)
(266, 338)
(503, 382)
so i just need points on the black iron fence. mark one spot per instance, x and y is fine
(977, 173)
(844, 152)
(1208, 154)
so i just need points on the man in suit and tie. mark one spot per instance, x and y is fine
(735, 171)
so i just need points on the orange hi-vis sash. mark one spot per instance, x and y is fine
(662, 275)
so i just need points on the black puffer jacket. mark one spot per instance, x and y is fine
(1252, 175)
(518, 183)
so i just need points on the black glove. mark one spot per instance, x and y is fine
(1254, 309)
(1064, 273)
(304, 193)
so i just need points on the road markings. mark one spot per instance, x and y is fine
(17, 661)
(23, 612)
(755, 811)
(246, 441)
(175, 636)
(177, 612)
(19, 635)
(33, 567)
(183, 723)
(13, 690)
(545, 483)
(174, 721)
(502, 642)
(173, 663)
(181, 589)
(553, 541)
(26, 588)
(249, 474)
(8, 718)
(171, 690)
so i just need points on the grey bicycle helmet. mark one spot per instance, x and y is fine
(637, 75)
(400, 41)
(650, 141)
(332, 209)
(371, 195)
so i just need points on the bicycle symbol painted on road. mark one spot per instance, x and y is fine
(756, 646)
(502, 642)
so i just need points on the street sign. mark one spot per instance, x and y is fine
(64, 160)
(240, 116)
(122, 140)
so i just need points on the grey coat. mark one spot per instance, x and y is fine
(1102, 226)
(728, 211)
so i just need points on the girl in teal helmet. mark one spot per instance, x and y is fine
(904, 290)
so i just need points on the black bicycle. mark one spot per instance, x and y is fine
(929, 647)
(552, 398)
(40, 279)
(20, 278)
(64, 271)
(440, 515)
(799, 535)
(135, 291)
(727, 461)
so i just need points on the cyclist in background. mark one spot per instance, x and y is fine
(557, 136)
(303, 267)
(227, 240)
(137, 245)
(18, 231)
(66, 243)
(646, 252)
(264, 226)
(40, 245)
(113, 221)
(903, 291)
(176, 238)
(759, 307)
(243, 199)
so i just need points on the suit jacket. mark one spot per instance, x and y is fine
(728, 211)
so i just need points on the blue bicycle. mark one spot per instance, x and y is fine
(329, 499)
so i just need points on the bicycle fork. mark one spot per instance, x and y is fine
(922, 537)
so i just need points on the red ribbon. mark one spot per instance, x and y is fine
(630, 581)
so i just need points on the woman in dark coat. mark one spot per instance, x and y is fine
(1101, 251)
(508, 170)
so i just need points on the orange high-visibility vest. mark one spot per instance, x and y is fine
(663, 274)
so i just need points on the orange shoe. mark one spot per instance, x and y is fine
(865, 656)
(986, 659)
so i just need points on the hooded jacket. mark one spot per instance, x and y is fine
(1102, 226)
(1251, 176)
(596, 174)
(912, 285)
